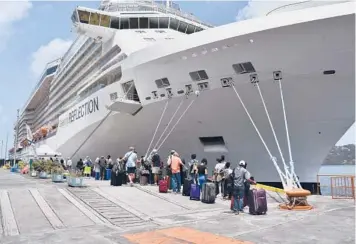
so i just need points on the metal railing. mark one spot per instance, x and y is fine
(336, 186)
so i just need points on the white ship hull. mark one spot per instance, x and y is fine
(320, 108)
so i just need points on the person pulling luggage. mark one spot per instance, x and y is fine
(202, 173)
(239, 176)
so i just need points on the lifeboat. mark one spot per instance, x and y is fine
(44, 131)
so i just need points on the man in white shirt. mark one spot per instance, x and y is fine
(130, 158)
(219, 175)
(68, 163)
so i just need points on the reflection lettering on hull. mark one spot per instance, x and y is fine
(83, 110)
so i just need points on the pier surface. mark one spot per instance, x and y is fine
(39, 211)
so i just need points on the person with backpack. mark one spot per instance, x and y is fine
(239, 176)
(218, 175)
(156, 163)
(193, 166)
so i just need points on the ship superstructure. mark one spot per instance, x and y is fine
(145, 74)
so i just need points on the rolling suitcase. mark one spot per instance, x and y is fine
(143, 180)
(257, 201)
(208, 193)
(194, 192)
(186, 187)
(163, 185)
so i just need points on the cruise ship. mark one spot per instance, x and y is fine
(275, 90)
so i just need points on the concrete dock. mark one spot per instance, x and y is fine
(39, 211)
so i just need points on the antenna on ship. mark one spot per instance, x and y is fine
(167, 3)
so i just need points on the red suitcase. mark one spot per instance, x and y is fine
(163, 186)
(257, 201)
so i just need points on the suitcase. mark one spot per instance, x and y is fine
(186, 187)
(143, 180)
(194, 192)
(257, 202)
(113, 179)
(208, 193)
(232, 203)
(163, 186)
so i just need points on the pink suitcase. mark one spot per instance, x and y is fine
(257, 201)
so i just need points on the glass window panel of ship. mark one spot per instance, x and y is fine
(124, 23)
(104, 20)
(133, 23)
(173, 24)
(143, 23)
(161, 83)
(83, 16)
(182, 26)
(190, 29)
(163, 22)
(153, 23)
(115, 23)
(94, 19)
(199, 75)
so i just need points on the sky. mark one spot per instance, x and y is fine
(35, 33)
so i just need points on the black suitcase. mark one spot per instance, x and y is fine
(208, 193)
(186, 187)
(116, 179)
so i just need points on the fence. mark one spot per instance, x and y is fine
(336, 186)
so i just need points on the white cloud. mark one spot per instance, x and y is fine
(47, 53)
(10, 12)
(259, 8)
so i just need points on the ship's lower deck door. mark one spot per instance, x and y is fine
(130, 91)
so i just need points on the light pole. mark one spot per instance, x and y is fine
(16, 136)
(2, 144)
(7, 137)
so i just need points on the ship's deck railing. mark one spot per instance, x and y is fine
(302, 5)
(151, 6)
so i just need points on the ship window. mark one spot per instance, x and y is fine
(83, 16)
(160, 31)
(213, 144)
(180, 92)
(115, 23)
(133, 23)
(182, 26)
(203, 86)
(94, 19)
(140, 31)
(164, 82)
(163, 95)
(104, 20)
(173, 24)
(153, 23)
(74, 17)
(143, 23)
(113, 96)
(198, 29)
(199, 75)
(243, 68)
(190, 29)
(124, 23)
(148, 98)
(149, 39)
(163, 22)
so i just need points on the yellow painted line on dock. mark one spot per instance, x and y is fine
(180, 235)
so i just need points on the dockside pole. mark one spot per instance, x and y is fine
(16, 136)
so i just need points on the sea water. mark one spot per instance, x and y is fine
(327, 171)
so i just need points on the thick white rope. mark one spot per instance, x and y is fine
(159, 123)
(274, 160)
(286, 170)
(288, 137)
(190, 104)
(169, 123)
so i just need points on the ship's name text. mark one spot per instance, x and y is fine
(83, 110)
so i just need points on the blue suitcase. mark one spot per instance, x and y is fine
(194, 192)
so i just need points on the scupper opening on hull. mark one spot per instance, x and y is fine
(214, 144)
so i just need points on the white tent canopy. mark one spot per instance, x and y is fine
(45, 151)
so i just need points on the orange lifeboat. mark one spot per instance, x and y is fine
(44, 131)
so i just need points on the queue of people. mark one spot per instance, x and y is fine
(230, 183)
